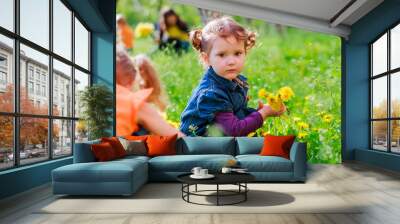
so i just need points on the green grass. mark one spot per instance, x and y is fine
(307, 62)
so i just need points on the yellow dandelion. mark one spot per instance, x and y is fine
(327, 118)
(144, 29)
(285, 93)
(315, 129)
(303, 125)
(265, 133)
(302, 135)
(251, 134)
(274, 102)
(262, 93)
(296, 119)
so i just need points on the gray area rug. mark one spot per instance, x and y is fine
(166, 198)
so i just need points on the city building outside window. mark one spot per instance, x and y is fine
(56, 125)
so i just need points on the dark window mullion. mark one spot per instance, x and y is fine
(50, 87)
(389, 106)
(73, 82)
(16, 84)
(371, 143)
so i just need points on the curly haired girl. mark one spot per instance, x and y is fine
(221, 96)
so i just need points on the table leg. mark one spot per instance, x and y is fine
(196, 188)
(245, 193)
(188, 189)
(217, 194)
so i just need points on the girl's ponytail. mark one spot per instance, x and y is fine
(250, 41)
(195, 38)
(150, 79)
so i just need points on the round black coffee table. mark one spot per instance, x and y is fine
(238, 179)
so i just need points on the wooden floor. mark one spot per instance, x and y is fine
(379, 189)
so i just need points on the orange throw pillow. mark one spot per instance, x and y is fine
(277, 145)
(136, 137)
(116, 145)
(103, 151)
(161, 145)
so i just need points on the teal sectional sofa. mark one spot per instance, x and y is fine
(125, 176)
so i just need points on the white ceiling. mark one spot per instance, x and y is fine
(324, 16)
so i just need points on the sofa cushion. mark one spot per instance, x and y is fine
(257, 163)
(161, 145)
(131, 158)
(134, 147)
(116, 145)
(103, 152)
(206, 145)
(185, 163)
(277, 145)
(249, 145)
(83, 153)
(111, 171)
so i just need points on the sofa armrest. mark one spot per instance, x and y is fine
(298, 155)
(83, 152)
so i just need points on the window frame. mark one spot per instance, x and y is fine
(16, 115)
(388, 74)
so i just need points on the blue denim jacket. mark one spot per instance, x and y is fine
(214, 94)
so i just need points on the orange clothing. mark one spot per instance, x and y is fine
(127, 36)
(128, 104)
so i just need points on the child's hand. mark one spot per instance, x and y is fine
(267, 111)
(260, 105)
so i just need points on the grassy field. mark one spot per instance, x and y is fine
(307, 62)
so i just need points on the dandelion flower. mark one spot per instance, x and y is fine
(274, 102)
(327, 118)
(144, 29)
(285, 93)
(302, 135)
(251, 134)
(262, 93)
(296, 119)
(303, 125)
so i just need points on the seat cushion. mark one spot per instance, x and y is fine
(257, 163)
(111, 171)
(185, 163)
(249, 145)
(206, 145)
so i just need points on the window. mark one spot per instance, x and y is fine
(62, 29)
(385, 96)
(38, 89)
(62, 75)
(34, 22)
(3, 78)
(46, 74)
(7, 91)
(3, 72)
(37, 74)
(30, 72)
(44, 91)
(3, 61)
(30, 87)
(81, 45)
(7, 14)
